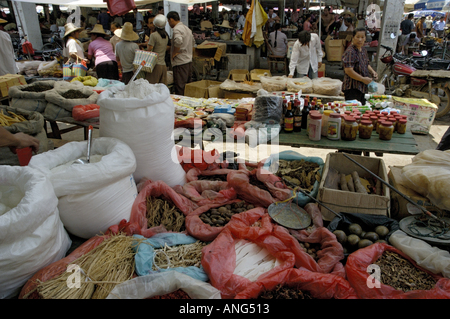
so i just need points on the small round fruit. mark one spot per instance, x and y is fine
(372, 236)
(353, 239)
(364, 243)
(355, 229)
(340, 236)
(382, 241)
(382, 231)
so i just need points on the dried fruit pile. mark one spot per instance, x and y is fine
(299, 172)
(285, 292)
(400, 274)
(220, 216)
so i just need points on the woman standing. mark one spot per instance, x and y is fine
(278, 41)
(158, 43)
(126, 50)
(103, 52)
(357, 68)
(73, 49)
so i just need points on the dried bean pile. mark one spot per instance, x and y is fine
(177, 294)
(400, 274)
(39, 87)
(218, 217)
(74, 94)
(311, 249)
(285, 292)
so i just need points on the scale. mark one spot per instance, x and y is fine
(289, 215)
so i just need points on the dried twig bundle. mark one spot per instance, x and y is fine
(178, 256)
(163, 212)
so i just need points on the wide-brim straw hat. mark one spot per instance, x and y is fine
(348, 12)
(3, 20)
(70, 28)
(225, 24)
(127, 33)
(98, 29)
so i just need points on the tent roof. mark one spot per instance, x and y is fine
(100, 3)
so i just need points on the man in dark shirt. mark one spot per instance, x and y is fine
(406, 26)
(104, 19)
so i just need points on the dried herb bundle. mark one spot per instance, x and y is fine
(74, 94)
(178, 256)
(285, 292)
(299, 172)
(400, 274)
(163, 212)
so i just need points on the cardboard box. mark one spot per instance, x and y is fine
(334, 49)
(208, 49)
(420, 112)
(321, 71)
(256, 73)
(200, 89)
(238, 75)
(232, 95)
(240, 117)
(352, 202)
(398, 203)
(10, 80)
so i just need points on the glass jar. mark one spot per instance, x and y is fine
(401, 127)
(350, 129)
(365, 129)
(385, 130)
(374, 120)
(384, 113)
(380, 119)
(325, 117)
(315, 126)
(334, 127)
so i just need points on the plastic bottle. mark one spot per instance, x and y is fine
(325, 117)
(315, 126)
(334, 127)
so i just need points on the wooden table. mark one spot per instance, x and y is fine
(399, 144)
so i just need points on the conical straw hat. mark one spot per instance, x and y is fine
(127, 33)
(98, 29)
(70, 27)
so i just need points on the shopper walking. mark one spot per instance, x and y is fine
(126, 50)
(102, 51)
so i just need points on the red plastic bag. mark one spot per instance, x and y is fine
(120, 7)
(357, 275)
(85, 112)
(195, 158)
(192, 122)
(157, 189)
(206, 192)
(320, 286)
(27, 47)
(219, 257)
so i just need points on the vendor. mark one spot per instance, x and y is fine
(103, 52)
(411, 40)
(73, 49)
(7, 63)
(357, 70)
(18, 140)
(306, 56)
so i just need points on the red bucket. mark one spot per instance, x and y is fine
(24, 155)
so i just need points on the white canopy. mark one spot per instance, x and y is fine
(101, 4)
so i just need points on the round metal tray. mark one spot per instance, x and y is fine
(289, 215)
(407, 221)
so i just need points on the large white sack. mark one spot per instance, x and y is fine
(144, 121)
(94, 196)
(32, 235)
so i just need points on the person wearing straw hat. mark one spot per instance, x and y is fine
(126, 50)
(73, 49)
(103, 52)
(7, 61)
(158, 43)
(182, 46)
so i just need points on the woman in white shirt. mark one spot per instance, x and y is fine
(306, 57)
(73, 49)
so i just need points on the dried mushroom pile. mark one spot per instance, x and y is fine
(163, 212)
(400, 274)
(299, 172)
(218, 217)
(285, 292)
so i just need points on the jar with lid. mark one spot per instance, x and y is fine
(365, 129)
(401, 127)
(315, 126)
(385, 130)
(380, 119)
(350, 129)
(325, 117)
(374, 120)
(334, 127)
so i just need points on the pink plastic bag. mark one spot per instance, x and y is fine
(206, 192)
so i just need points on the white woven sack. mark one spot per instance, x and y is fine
(145, 122)
(32, 235)
(94, 196)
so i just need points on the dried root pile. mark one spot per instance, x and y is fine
(400, 274)
(178, 256)
(299, 173)
(285, 292)
(100, 270)
(163, 212)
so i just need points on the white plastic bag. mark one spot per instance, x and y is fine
(31, 233)
(431, 258)
(163, 283)
(327, 86)
(273, 83)
(146, 124)
(94, 196)
(303, 84)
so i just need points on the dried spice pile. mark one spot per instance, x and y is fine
(299, 172)
(285, 292)
(218, 217)
(400, 274)
(177, 294)
(74, 94)
(164, 212)
(39, 87)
